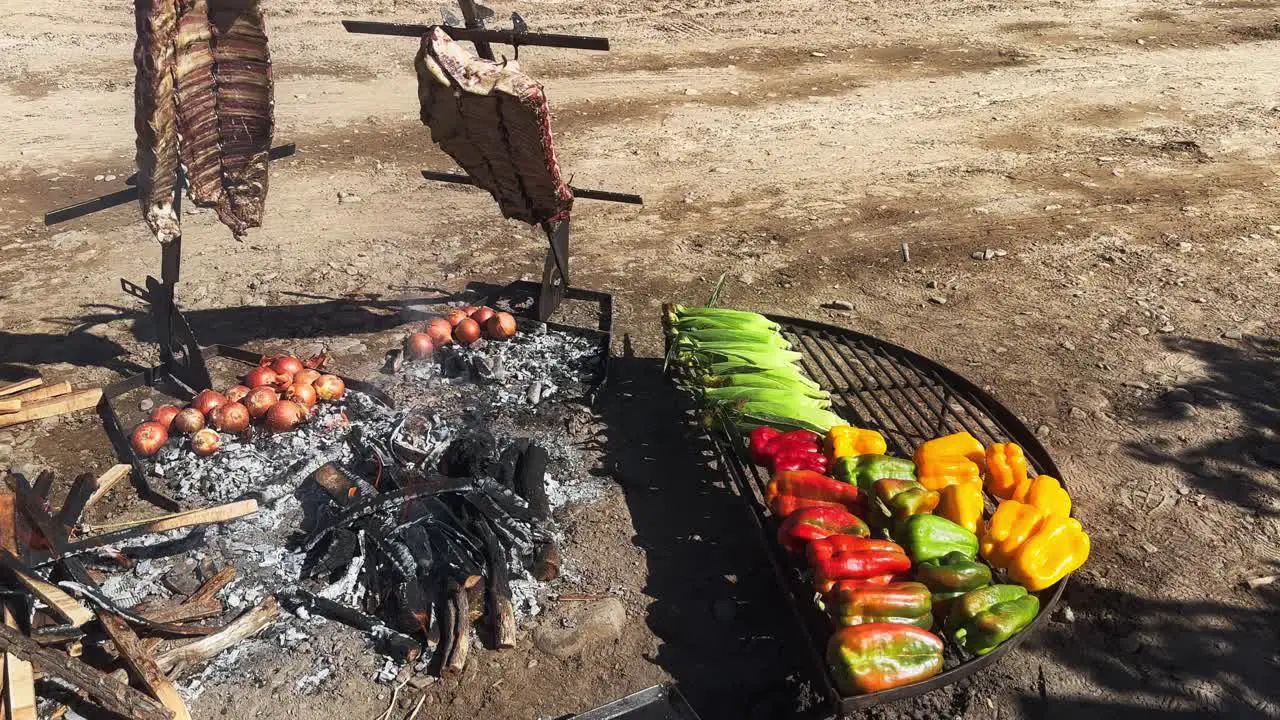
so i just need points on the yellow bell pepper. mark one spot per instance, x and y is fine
(1037, 550)
(1009, 527)
(962, 504)
(845, 440)
(939, 472)
(1059, 547)
(1047, 495)
(960, 444)
(1007, 472)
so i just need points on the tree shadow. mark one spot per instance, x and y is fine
(1163, 657)
(1239, 469)
(726, 632)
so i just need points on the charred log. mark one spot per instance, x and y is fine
(398, 646)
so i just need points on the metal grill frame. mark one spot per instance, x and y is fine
(909, 399)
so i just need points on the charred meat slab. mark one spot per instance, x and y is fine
(155, 115)
(245, 109)
(493, 120)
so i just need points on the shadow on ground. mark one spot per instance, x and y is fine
(1151, 657)
(1239, 469)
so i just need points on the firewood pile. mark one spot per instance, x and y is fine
(84, 649)
(427, 531)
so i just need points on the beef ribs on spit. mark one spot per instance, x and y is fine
(493, 120)
(203, 100)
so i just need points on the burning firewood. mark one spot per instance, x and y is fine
(144, 667)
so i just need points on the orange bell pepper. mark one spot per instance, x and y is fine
(1047, 495)
(960, 444)
(1007, 472)
(936, 473)
(962, 504)
(846, 440)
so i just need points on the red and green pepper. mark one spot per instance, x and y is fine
(879, 656)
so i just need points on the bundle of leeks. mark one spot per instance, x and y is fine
(739, 366)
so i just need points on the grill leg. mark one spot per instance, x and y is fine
(555, 271)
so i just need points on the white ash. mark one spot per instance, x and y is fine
(291, 637)
(248, 464)
(526, 597)
(308, 684)
(389, 672)
(139, 584)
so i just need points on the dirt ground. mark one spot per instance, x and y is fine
(1121, 154)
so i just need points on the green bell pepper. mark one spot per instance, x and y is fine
(855, 602)
(865, 470)
(982, 619)
(951, 576)
(894, 500)
(929, 537)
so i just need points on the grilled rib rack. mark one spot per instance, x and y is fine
(909, 399)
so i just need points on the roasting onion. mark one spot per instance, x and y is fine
(236, 393)
(482, 315)
(307, 376)
(470, 310)
(418, 346)
(206, 401)
(260, 376)
(283, 381)
(440, 331)
(164, 415)
(259, 401)
(455, 316)
(148, 438)
(188, 420)
(287, 364)
(501, 326)
(285, 416)
(467, 331)
(302, 393)
(206, 442)
(232, 418)
(330, 387)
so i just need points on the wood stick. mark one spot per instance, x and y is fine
(144, 667)
(106, 481)
(183, 612)
(44, 393)
(60, 603)
(173, 521)
(179, 660)
(111, 695)
(20, 385)
(455, 660)
(81, 400)
(211, 587)
(43, 484)
(10, 406)
(77, 497)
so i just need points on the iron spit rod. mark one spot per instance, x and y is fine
(506, 37)
(605, 195)
(129, 194)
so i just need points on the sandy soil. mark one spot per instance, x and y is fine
(1123, 154)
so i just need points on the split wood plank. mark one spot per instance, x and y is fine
(60, 603)
(177, 661)
(8, 405)
(44, 393)
(80, 400)
(188, 518)
(106, 481)
(77, 498)
(20, 385)
(111, 695)
(182, 612)
(157, 684)
(19, 689)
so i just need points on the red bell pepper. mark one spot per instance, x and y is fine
(816, 523)
(759, 441)
(768, 444)
(879, 656)
(791, 490)
(799, 459)
(848, 557)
